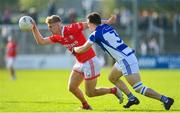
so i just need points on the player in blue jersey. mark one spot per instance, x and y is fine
(126, 62)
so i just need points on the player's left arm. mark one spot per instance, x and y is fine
(83, 48)
(111, 20)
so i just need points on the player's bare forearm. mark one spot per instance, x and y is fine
(79, 50)
(37, 35)
(83, 48)
(111, 20)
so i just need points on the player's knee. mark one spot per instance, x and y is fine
(90, 93)
(140, 88)
(112, 79)
(71, 88)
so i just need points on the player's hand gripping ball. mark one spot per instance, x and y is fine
(25, 23)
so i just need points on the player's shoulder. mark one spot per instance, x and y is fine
(72, 28)
(104, 25)
(54, 38)
(99, 30)
(76, 24)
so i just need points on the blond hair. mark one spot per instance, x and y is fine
(53, 19)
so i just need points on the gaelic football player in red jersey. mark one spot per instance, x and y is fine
(87, 65)
(10, 56)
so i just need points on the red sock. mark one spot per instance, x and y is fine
(85, 104)
(113, 90)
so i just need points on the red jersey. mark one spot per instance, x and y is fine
(72, 36)
(11, 49)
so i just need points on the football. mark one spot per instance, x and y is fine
(25, 23)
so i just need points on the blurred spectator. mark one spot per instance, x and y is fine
(87, 6)
(6, 19)
(143, 48)
(125, 20)
(153, 47)
(125, 17)
(162, 21)
(33, 14)
(10, 57)
(23, 12)
(144, 20)
(61, 13)
(51, 7)
(175, 23)
(72, 16)
(5, 32)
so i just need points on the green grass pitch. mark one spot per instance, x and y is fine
(46, 91)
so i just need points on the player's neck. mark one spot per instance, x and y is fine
(59, 32)
(93, 27)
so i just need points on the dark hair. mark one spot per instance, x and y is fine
(53, 19)
(94, 18)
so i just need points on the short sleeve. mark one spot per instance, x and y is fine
(54, 38)
(75, 27)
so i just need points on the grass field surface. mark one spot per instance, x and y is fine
(46, 91)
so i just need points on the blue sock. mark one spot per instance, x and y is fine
(130, 96)
(164, 99)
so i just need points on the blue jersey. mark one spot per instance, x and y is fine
(108, 39)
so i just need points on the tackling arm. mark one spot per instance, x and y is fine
(83, 48)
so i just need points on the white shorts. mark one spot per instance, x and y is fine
(129, 65)
(10, 62)
(89, 69)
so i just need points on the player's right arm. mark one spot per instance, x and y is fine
(38, 37)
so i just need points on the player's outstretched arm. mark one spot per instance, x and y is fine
(38, 37)
(111, 20)
(83, 48)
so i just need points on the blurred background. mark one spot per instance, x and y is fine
(151, 27)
